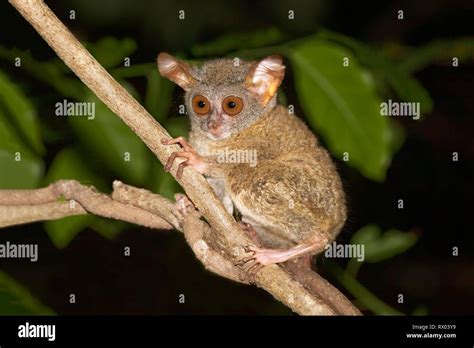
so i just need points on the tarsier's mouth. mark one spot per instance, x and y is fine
(217, 134)
(216, 131)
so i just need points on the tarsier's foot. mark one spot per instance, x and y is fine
(257, 259)
(192, 158)
(261, 257)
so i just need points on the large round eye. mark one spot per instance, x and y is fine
(201, 105)
(232, 105)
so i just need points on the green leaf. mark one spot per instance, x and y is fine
(421, 311)
(111, 51)
(22, 113)
(24, 174)
(20, 168)
(63, 231)
(396, 136)
(439, 50)
(15, 299)
(228, 43)
(406, 87)
(341, 103)
(108, 138)
(367, 234)
(379, 247)
(390, 244)
(361, 293)
(158, 95)
(69, 164)
(52, 72)
(107, 228)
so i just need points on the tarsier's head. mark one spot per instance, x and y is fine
(225, 96)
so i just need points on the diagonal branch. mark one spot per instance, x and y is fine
(226, 236)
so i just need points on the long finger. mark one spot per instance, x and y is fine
(173, 157)
(181, 167)
(179, 140)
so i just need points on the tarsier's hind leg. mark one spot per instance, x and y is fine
(261, 257)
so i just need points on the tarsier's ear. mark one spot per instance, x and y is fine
(175, 70)
(264, 78)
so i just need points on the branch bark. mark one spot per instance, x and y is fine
(42, 204)
(226, 237)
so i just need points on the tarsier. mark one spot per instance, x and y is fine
(291, 202)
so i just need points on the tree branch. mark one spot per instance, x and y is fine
(197, 232)
(43, 204)
(226, 236)
(127, 203)
(146, 200)
(23, 214)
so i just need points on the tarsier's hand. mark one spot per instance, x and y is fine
(183, 208)
(192, 158)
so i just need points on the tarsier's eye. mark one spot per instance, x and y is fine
(232, 105)
(201, 105)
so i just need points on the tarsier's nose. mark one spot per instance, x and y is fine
(214, 124)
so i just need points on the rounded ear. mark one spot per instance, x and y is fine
(264, 78)
(175, 70)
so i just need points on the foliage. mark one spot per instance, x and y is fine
(227, 43)
(340, 101)
(17, 300)
(21, 166)
(378, 247)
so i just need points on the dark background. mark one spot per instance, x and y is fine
(437, 191)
